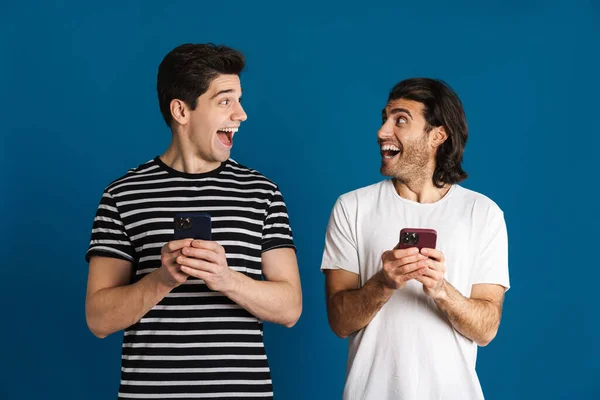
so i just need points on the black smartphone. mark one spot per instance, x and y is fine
(193, 226)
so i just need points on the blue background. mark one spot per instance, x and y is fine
(78, 108)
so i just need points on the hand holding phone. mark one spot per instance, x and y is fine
(203, 259)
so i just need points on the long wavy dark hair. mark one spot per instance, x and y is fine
(441, 107)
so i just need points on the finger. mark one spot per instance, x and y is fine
(412, 275)
(169, 259)
(415, 274)
(411, 259)
(408, 268)
(197, 264)
(201, 254)
(203, 275)
(208, 245)
(397, 254)
(174, 256)
(433, 274)
(426, 281)
(435, 265)
(396, 264)
(433, 253)
(175, 245)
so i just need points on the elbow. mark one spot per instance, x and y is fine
(293, 316)
(336, 325)
(339, 333)
(95, 329)
(338, 329)
(94, 325)
(98, 334)
(487, 338)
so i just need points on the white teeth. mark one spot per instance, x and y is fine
(387, 147)
(234, 130)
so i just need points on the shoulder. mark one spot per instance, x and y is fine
(479, 201)
(236, 171)
(149, 168)
(364, 194)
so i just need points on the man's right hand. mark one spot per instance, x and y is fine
(400, 266)
(170, 272)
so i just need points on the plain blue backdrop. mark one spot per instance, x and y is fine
(78, 108)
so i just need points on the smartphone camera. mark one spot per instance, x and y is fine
(183, 223)
(409, 238)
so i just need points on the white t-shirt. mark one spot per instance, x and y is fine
(410, 351)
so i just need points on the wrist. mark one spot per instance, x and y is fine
(442, 294)
(162, 280)
(382, 283)
(235, 284)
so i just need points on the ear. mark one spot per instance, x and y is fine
(179, 111)
(439, 136)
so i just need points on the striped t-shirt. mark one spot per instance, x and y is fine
(195, 343)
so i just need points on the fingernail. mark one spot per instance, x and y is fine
(414, 251)
(424, 251)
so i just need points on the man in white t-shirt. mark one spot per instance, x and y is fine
(415, 318)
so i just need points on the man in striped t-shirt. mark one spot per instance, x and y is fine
(192, 310)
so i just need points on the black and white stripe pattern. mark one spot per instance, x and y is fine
(196, 343)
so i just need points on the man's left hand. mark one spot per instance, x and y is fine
(206, 260)
(433, 278)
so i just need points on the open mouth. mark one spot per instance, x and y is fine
(389, 151)
(225, 136)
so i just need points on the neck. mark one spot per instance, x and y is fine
(183, 156)
(421, 190)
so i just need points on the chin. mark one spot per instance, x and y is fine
(385, 171)
(222, 158)
(219, 154)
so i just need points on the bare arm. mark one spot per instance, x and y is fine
(278, 299)
(350, 309)
(476, 318)
(112, 304)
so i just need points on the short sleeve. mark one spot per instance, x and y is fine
(276, 232)
(491, 262)
(109, 238)
(340, 244)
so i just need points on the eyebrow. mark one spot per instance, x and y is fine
(395, 111)
(222, 92)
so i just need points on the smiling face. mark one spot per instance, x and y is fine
(210, 127)
(406, 148)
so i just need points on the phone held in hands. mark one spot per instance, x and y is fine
(196, 226)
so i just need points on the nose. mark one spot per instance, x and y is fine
(239, 114)
(386, 131)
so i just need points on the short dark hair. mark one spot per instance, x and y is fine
(187, 71)
(441, 107)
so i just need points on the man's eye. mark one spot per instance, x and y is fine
(400, 120)
(224, 102)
